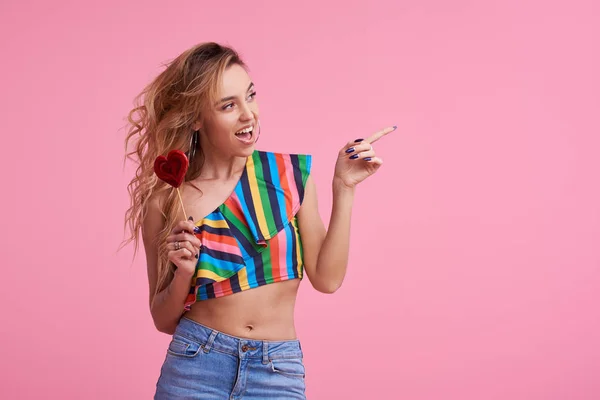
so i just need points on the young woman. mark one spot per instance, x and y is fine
(223, 282)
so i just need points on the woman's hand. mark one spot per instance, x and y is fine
(357, 160)
(183, 247)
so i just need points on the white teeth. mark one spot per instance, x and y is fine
(247, 130)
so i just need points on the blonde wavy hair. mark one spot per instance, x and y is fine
(163, 119)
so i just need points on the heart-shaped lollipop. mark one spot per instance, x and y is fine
(172, 169)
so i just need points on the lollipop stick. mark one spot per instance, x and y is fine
(181, 201)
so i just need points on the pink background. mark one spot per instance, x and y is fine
(475, 260)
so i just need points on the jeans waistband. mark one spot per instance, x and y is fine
(211, 339)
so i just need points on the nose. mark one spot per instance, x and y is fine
(246, 112)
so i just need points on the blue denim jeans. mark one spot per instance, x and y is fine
(202, 363)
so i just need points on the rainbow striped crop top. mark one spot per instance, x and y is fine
(252, 239)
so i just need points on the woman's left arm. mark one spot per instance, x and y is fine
(325, 252)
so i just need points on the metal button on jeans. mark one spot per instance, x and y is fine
(244, 348)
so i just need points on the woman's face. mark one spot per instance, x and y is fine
(230, 126)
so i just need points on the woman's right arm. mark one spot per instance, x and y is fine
(167, 306)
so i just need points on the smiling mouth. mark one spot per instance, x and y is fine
(246, 134)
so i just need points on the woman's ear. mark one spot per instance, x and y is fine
(197, 125)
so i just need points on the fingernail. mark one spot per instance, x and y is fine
(190, 218)
(350, 150)
(196, 255)
(368, 159)
(354, 156)
(196, 229)
(358, 140)
(395, 127)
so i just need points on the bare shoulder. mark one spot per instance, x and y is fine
(152, 225)
(153, 219)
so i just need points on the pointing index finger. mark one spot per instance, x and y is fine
(380, 134)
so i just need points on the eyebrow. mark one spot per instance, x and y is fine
(224, 99)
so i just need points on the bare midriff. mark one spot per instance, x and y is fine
(262, 313)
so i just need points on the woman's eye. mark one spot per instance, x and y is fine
(230, 105)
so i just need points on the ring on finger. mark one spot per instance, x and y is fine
(177, 246)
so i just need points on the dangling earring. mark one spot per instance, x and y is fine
(193, 144)
(257, 136)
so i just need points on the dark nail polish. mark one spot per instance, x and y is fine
(395, 127)
(196, 229)
(368, 159)
(190, 218)
(354, 156)
(196, 256)
(358, 140)
(350, 150)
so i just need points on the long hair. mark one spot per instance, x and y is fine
(163, 119)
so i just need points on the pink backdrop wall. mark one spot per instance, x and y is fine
(475, 260)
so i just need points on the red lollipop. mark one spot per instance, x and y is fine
(172, 169)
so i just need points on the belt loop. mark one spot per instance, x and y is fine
(210, 341)
(265, 352)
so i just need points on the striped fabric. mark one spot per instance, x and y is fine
(252, 239)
